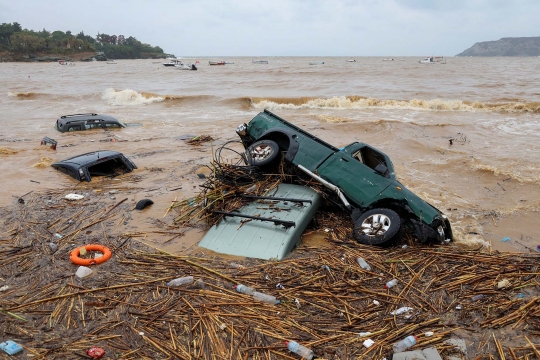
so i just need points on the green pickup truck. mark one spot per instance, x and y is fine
(361, 176)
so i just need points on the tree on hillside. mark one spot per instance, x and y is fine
(6, 30)
(24, 42)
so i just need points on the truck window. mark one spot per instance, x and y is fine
(358, 156)
(372, 158)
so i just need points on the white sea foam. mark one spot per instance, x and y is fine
(357, 102)
(129, 97)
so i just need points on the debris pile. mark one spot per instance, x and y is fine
(199, 140)
(328, 302)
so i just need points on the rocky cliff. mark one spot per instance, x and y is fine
(520, 46)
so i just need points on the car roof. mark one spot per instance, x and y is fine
(89, 158)
(262, 239)
(84, 117)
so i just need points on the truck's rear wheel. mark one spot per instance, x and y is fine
(377, 227)
(262, 153)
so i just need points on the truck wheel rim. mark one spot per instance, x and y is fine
(376, 224)
(261, 152)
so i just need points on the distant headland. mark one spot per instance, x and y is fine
(18, 44)
(517, 46)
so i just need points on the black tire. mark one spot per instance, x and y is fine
(262, 153)
(141, 204)
(387, 227)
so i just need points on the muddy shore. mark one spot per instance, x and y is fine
(125, 307)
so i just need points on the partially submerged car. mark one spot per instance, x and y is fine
(268, 227)
(98, 163)
(361, 176)
(79, 122)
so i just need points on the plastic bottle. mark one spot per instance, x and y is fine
(237, 266)
(298, 349)
(404, 344)
(181, 281)
(200, 284)
(244, 289)
(391, 283)
(363, 264)
(265, 298)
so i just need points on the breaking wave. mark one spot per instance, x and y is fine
(130, 97)
(508, 172)
(24, 95)
(359, 102)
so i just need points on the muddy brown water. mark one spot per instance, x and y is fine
(487, 180)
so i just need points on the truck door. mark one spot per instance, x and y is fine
(353, 171)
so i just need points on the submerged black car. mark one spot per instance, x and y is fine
(79, 122)
(98, 163)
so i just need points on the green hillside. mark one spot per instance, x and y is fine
(24, 43)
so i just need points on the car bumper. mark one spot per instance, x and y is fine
(439, 230)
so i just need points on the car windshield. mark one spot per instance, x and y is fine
(112, 167)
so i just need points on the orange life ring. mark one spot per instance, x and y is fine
(74, 256)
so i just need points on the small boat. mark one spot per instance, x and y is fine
(351, 60)
(65, 62)
(173, 62)
(388, 59)
(433, 60)
(216, 63)
(259, 61)
(316, 63)
(112, 62)
(228, 63)
(185, 67)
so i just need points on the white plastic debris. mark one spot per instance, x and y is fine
(401, 310)
(376, 303)
(83, 271)
(326, 230)
(74, 197)
(368, 343)
(362, 334)
(141, 333)
(4, 288)
(429, 333)
(459, 307)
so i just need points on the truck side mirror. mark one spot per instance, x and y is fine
(381, 169)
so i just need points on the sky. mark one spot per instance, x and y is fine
(287, 27)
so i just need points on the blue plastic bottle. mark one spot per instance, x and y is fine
(298, 349)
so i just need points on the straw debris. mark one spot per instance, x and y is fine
(327, 299)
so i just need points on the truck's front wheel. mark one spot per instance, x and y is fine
(262, 152)
(377, 227)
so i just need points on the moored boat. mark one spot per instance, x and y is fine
(187, 66)
(433, 60)
(216, 63)
(351, 60)
(173, 62)
(259, 61)
(316, 63)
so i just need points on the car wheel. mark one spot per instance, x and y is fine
(377, 227)
(262, 153)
